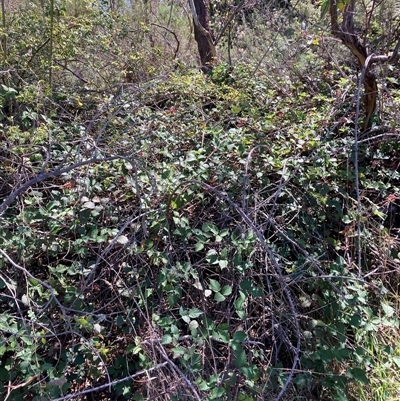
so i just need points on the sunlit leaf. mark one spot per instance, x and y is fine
(226, 290)
(214, 285)
(194, 312)
(219, 297)
(324, 7)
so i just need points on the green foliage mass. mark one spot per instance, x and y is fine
(188, 236)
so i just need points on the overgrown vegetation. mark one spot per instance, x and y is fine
(173, 235)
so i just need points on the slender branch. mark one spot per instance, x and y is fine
(173, 34)
(42, 177)
(174, 367)
(72, 72)
(235, 11)
(104, 386)
(11, 387)
(35, 52)
(356, 171)
(41, 282)
(392, 59)
(277, 272)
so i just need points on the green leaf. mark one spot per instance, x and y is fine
(245, 397)
(241, 358)
(326, 355)
(236, 109)
(346, 219)
(186, 319)
(166, 339)
(194, 313)
(226, 290)
(4, 374)
(389, 311)
(3, 349)
(184, 314)
(324, 8)
(302, 380)
(355, 320)
(224, 253)
(88, 205)
(5, 325)
(240, 301)
(219, 297)
(223, 264)
(212, 256)
(237, 259)
(250, 288)
(215, 285)
(178, 351)
(27, 340)
(335, 381)
(217, 393)
(79, 360)
(135, 349)
(381, 215)
(396, 360)
(33, 281)
(209, 227)
(251, 372)
(203, 385)
(358, 374)
(126, 391)
(7, 91)
(86, 324)
(199, 246)
(239, 336)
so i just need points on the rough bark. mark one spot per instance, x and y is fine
(202, 32)
(345, 32)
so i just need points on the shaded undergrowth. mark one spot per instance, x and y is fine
(197, 237)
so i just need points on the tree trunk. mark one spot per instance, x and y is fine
(346, 34)
(202, 33)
